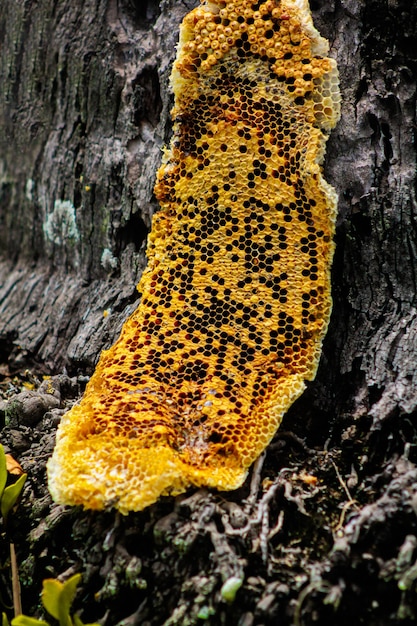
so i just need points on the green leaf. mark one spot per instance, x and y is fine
(51, 594)
(23, 620)
(58, 597)
(3, 471)
(10, 496)
(67, 597)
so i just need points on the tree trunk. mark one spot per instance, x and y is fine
(325, 527)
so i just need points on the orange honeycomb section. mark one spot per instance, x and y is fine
(236, 295)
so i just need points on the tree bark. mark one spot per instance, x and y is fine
(325, 527)
(83, 117)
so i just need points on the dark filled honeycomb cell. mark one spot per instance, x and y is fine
(236, 294)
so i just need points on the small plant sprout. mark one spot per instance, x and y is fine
(57, 599)
(8, 494)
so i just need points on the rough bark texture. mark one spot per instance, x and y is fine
(325, 530)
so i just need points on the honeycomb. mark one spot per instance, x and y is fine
(236, 295)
